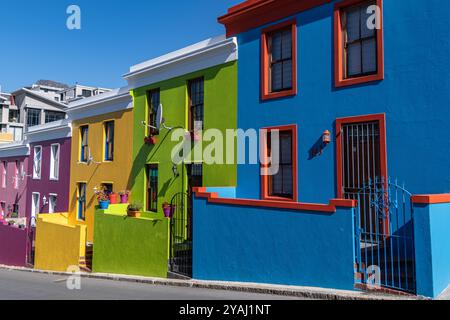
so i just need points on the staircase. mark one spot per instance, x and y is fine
(85, 263)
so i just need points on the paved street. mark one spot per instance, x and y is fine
(16, 285)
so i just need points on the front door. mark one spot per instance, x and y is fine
(362, 151)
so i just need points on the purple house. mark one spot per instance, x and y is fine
(13, 199)
(48, 172)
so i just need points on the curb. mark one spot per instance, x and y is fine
(287, 291)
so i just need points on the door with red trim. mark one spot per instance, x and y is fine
(361, 166)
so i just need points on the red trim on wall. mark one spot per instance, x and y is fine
(265, 179)
(328, 208)
(338, 48)
(265, 94)
(381, 118)
(431, 198)
(254, 13)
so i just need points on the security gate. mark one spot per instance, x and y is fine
(181, 236)
(384, 233)
(384, 236)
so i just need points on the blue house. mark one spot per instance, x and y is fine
(358, 94)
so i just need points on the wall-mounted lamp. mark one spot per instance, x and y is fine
(326, 137)
(176, 174)
(44, 200)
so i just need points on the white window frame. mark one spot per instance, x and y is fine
(51, 209)
(4, 174)
(52, 162)
(35, 176)
(2, 209)
(34, 214)
(16, 174)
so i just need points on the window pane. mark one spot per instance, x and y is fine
(287, 180)
(354, 59)
(369, 53)
(287, 74)
(276, 46)
(286, 149)
(353, 24)
(277, 183)
(277, 76)
(287, 44)
(365, 31)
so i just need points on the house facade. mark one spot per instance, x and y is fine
(14, 221)
(334, 81)
(197, 91)
(98, 159)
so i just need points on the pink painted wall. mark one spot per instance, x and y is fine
(10, 195)
(13, 246)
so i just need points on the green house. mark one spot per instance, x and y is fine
(195, 90)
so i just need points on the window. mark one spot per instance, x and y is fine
(82, 201)
(35, 207)
(16, 174)
(108, 187)
(54, 161)
(51, 116)
(152, 188)
(52, 201)
(358, 45)
(196, 104)
(279, 60)
(33, 117)
(109, 140)
(37, 162)
(84, 137)
(153, 98)
(4, 173)
(13, 116)
(195, 175)
(282, 184)
(2, 210)
(86, 93)
(15, 209)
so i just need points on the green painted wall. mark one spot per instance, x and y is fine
(144, 253)
(220, 112)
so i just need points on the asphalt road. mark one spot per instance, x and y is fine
(17, 285)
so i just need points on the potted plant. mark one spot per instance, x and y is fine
(103, 199)
(124, 195)
(167, 209)
(113, 198)
(134, 210)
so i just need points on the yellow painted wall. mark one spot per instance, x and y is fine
(58, 245)
(116, 172)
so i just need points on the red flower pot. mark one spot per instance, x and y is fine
(113, 198)
(151, 140)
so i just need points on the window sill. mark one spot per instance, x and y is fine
(272, 198)
(277, 95)
(54, 179)
(356, 81)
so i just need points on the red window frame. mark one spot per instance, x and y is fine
(340, 80)
(381, 119)
(265, 178)
(265, 61)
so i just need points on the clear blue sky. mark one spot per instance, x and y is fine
(115, 34)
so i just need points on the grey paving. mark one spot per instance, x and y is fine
(17, 285)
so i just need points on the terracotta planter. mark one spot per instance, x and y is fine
(151, 140)
(134, 214)
(113, 198)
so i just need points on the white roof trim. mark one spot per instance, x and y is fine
(115, 100)
(15, 149)
(49, 131)
(202, 55)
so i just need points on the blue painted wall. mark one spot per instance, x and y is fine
(415, 96)
(233, 243)
(432, 245)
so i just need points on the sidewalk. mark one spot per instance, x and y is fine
(289, 291)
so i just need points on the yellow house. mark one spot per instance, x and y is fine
(101, 156)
